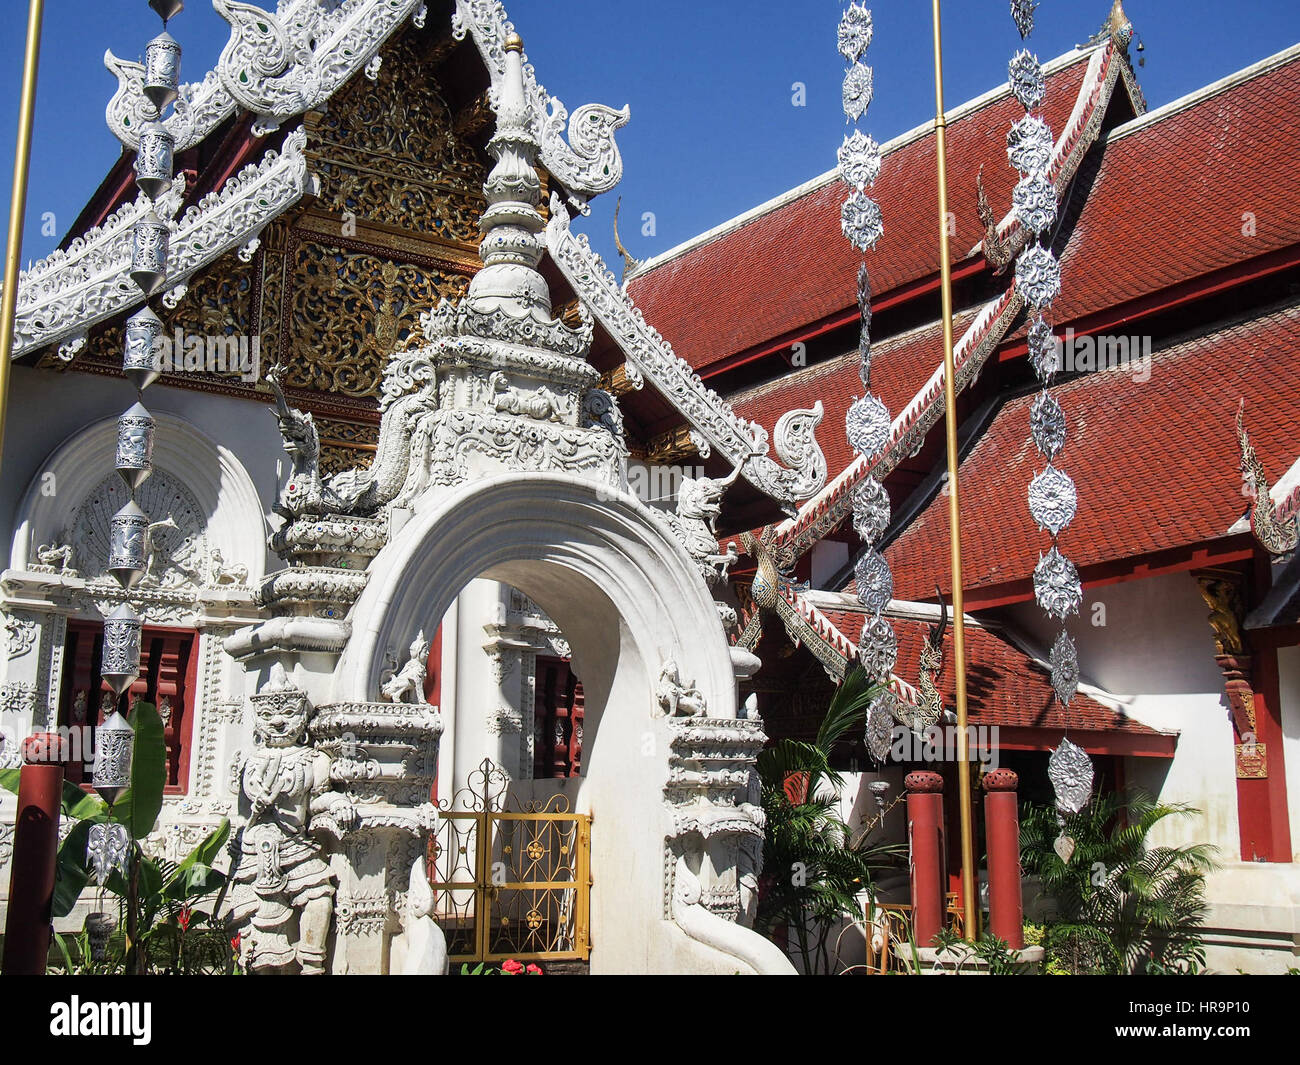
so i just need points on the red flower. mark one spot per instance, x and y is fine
(511, 967)
(533, 970)
(234, 943)
(183, 918)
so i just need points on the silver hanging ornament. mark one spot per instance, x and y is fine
(867, 425)
(140, 351)
(1044, 355)
(1052, 500)
(1070, 771)
(107, 848)
(1038, 276)
(1047, 425)
(114, 750)
(1026, 77)
(128, 544)
(120, 658)
(871, 509)
(855, 32)
(149, 239)
(1064, 661)
(153, 159)
(1034, 202)
(859, 159)
(861, 221)
(877, 649)
(135, 446)
(1056, 585)
(857, 91)
(875, 581)
(1022, 11)
(162, 70)
(1029, 145)
(1064, 847)
(880, 724)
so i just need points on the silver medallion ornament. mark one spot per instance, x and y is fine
(1023, 13)
(1064, 661)
(878, 649)
(120, 660)
(1047, 425)
(135, 446)
(855, 32)
(857, 91)
(1029, 145)
(859, 159)
(1056, 585)
(864, 296)
(128, 546)
(162, 70)
(871, 509)
(149, 240)
(1052, 500)
(114, 751)
(1026, 77)
(875, 582)
(861, 221)
(867, 424)
(1070, 771)
(153, 160)
(880, 724)
(140, 349)
(1044, 354)
(1034, 202)
(1038, 276)
(107, 849)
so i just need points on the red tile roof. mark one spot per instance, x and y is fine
(1004, 685)
(792, 266)
(1156, 463)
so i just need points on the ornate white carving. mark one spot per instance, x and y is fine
(88, 281)
(407, 684)
(20, 634)
(678, 698)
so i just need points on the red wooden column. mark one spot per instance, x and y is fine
(36, 845)
(1002, 832)
(925, 844)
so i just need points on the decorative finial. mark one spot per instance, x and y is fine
(514, 43)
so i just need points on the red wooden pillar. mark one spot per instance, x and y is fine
(925, 844)
(36, 845)
(1002, 831)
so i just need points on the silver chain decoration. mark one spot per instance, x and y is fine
(108, 847)
(1053, 499)
(867, 422)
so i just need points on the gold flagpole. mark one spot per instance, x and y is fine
(18, 204)
(970, 908)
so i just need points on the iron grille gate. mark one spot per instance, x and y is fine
(511, 878)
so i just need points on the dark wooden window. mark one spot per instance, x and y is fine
(557, 720)
(168, 679)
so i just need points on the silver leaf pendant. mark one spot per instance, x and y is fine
(1056, 585)
(878, 649)
(875, 581)
(1047, 425)
(1064, 847)
(1070, 771)
(1064, 661)
(880, 724)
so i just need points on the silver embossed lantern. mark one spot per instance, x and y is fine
(140, 352)
(162, 69)
(149, 240)
(120, 661)
(135, 446)
(128, 544)
(153, 159)
(114, 746)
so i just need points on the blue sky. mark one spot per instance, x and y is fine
(714, 130)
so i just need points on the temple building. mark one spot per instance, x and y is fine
(538, 558)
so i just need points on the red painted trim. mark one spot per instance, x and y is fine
(433, 693)
(1107, 742)
(902, 294)
(1117, 571)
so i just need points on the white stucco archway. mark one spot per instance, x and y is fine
(628, 598)
(236, 523)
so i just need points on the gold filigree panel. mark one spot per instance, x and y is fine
(346, 445)
(350, 310)
(388, 152)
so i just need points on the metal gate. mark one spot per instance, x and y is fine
(511, 879)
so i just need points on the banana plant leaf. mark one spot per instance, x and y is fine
(139, 805)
